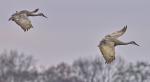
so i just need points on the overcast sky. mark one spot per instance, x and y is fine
(75, 27)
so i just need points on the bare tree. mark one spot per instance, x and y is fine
(94, 70)
(61, 73)
(16, 67)
(140, 72)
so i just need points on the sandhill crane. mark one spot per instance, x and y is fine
(21, 18)
(107, 45)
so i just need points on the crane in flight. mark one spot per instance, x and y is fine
(21, 18)
(108, 43)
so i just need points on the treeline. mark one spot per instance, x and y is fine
(15, 67)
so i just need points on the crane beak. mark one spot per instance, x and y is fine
(137, 44)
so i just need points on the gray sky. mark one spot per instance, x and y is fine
(75, 27)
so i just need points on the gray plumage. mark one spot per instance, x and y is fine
(107, 45)
(21, 18)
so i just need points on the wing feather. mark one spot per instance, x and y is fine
(23, 21)
(118, 33)
(108, 51)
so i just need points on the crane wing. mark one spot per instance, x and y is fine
(108, 51)
(118, 33)
(23, 21)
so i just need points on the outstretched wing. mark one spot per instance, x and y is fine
(118, 33)
(28, 13)
(108, 51)
(23, 21)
